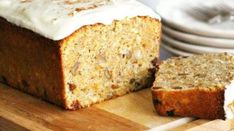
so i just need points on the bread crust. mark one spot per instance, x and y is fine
(196, 102)
(26, 68)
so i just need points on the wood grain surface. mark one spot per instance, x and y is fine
(34, 114)
(9, 125)
(19, 111)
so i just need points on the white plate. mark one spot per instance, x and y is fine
(193, 48)
(165, 54)
(175, 51)
(150, 3)
(175, 13)
(198, 40)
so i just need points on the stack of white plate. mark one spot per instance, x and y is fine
(197, 26)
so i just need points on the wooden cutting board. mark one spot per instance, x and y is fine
(19, 111)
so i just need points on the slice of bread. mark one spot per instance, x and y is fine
(197, 86)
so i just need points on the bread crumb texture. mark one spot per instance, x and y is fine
(198, 71)
(105, 61)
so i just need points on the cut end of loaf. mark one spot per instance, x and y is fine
(207, 70)
(106, 61)
(196, 86)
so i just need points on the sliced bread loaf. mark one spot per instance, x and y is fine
(198, 86)
(75, 53)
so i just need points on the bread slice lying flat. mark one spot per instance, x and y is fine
(199, 86)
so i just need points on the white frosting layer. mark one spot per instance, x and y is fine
(57, 19)
(229, 98)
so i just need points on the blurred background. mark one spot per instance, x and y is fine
(195, 26)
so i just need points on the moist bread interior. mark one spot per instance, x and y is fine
(199, 71)
(105, 61)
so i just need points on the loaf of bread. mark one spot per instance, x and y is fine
(74, 53)
(199, 86)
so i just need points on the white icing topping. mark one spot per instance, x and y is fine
(229, 98)
(57, 19)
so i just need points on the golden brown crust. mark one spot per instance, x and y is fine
(25, 67)
(191, 102)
